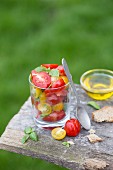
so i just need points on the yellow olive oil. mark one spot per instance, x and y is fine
(99, 87)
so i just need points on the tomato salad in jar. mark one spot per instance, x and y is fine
(49, 88)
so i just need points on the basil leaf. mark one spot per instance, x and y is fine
(33, 130)
(33, 136)
(54, 73)
(94, 104)
(40, 69)
(66, 144)
(28, 130)
(25, 138)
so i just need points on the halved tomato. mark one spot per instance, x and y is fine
(41, 79)
(53, 98)
(51, 66)
(61, 70)
(45, 108)
(64, 78)
(33, 73)
(58, 133)
(58, 83)
(54, 116)
(58, 107)
(62, 92)
(42, 97)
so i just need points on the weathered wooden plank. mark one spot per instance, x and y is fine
(82, 155)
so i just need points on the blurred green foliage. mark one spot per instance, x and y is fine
(43, 31)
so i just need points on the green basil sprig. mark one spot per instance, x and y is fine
(51, 72)
(29, 133)
(94, 104)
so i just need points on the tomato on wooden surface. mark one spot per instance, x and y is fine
(41, 79)
(58, 83)
(58, 133)
(54, 116)
(61, 70)
(51, 66)
(72, 127)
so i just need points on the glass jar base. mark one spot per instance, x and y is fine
(44, 124)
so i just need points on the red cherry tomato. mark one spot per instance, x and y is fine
(72, 127)
(52, 99)
(58, 83)
(54, 116)
(33, 73)
(41, 79)
(51, 66)
(62, 93)
(61, 70)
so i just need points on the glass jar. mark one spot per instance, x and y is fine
(50, 105)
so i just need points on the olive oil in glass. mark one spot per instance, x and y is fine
(98, 85)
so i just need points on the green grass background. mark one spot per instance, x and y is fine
(33, 32)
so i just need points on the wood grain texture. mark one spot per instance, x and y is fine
(80, 156)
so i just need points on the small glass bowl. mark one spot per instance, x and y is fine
(98, 83)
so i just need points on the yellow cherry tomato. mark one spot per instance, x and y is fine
(58, 107)
(64, 78)
(58, 133)
(45, 108)
(42, 97)
(38, 92)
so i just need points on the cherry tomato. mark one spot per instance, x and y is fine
(64, 78)
(37, 92)
(45, 108)
(54, 116)
(53, 98)
(51, 66)
(58, 107)
(58, 83)
(62, 92)
(72, 127)
(33, 73)
(54, 90)
(58, 133)
(41, 79)
(61, 70)
(42, 97)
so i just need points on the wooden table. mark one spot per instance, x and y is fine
(82, 155)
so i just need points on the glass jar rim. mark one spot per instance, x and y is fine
(47, 87)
